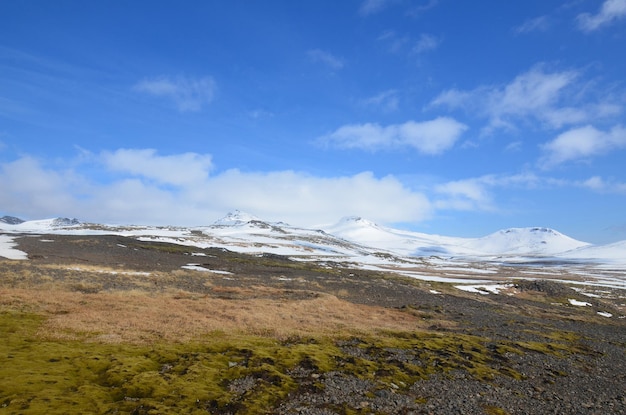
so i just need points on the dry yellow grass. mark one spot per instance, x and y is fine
(140, 317)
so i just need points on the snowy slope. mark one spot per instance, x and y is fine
(400, 242)
(246, 233)
(615, 252)
(524, 241)
(43, 225)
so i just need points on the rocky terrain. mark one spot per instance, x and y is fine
(179, 329)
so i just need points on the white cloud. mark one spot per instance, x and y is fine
(317, 55)
(469, 194)
(188, 94)
(388, 101)
(369, 7)
(427, 137)
(176, 169)
(476, 193)
(397, 43)
(26, 187)
(31, 190)
(537, 24)
(300, 198)
(373, 6)
(581, 143)
(610, 11)
(513, 146)
(419, 9)
(555, 99)
(533, 93)
(426, 42)
(598, 184)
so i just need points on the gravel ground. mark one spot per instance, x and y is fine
(591, 380)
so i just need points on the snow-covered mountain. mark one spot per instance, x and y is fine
(525, 241)
(18, 225)
(352, 238)
(247, 233)
(236, 217)
(514, 241)
(405, 243)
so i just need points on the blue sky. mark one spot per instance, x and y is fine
(440, 116)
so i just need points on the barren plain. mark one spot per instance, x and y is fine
(109, 324)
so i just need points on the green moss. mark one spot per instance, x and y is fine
(165, 247)
(43, 376)
(37, 376)
(494, 410)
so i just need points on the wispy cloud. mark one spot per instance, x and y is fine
(582, 143)
(421, 8)
(610, 11)
(598, 184)
(427, 137)
(369, 7)
(555, 99)
(477, 193)
(188, 94)
(537, 24)
(426, 42)
(397, 43)
(469, 195)
(321, 56)
(388, 101)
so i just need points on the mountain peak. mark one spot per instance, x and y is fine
(349, 220)
(62, 222)
(532, 230)
(11, 220)
(236, 217)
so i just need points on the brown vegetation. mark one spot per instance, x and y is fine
(139, 317)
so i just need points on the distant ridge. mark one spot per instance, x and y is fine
(352, 237)
(39, 225)
(11, 220)
(513, 241)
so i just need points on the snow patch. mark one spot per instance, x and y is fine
(196, 267)
(484, 289)
(579, 303)
(7, 249)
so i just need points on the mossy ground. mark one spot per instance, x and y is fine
(222, 372)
